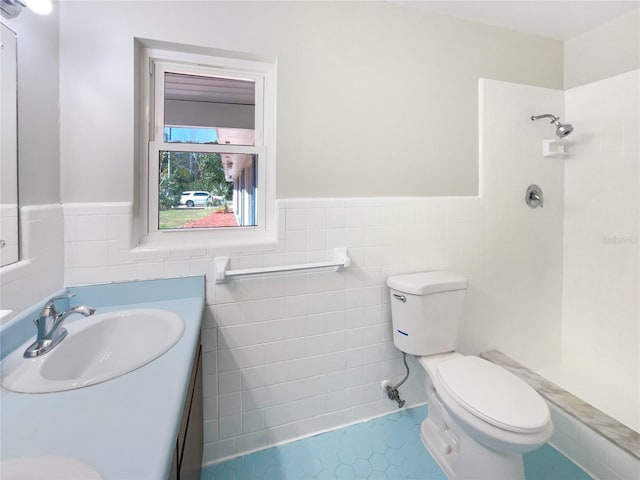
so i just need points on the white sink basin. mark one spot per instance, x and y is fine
(46, 467)
(97, 349)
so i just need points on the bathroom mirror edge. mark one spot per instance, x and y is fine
(9, 205)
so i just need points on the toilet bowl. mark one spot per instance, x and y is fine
(481, 418)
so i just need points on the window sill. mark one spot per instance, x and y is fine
(179, 243)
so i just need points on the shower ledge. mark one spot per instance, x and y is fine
(601, 423)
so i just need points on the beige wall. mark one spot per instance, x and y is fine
(603, 52)
(373, 98)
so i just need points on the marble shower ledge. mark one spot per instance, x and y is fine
(605, 426)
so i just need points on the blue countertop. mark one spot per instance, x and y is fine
(126, 428)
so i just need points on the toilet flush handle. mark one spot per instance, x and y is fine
(402, 298)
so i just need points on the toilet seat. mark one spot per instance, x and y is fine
(493, 394)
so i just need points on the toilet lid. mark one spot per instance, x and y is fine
(493, 394)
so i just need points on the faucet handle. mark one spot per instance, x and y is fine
(50, 306)
(534, 197)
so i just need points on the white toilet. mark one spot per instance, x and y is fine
(482, 418)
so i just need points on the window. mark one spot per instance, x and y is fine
(210, 143)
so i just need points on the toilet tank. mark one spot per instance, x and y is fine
(425, 311)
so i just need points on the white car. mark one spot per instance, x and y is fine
(196, 199)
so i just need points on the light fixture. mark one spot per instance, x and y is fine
(42, 7)
(12, 8)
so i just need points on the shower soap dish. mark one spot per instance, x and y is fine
(553, 148)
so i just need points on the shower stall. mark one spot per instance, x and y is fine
(600, 333)
(561, 294)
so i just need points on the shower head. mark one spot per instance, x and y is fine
(562, 129)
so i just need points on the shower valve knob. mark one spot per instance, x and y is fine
(534, 197)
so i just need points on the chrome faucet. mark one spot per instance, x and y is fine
(49, 324)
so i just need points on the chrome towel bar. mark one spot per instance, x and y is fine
(223, 274)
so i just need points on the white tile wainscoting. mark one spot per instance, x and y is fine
(289, 355)
(39, 273)
(292, 354)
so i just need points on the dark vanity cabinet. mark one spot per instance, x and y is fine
(187, 458)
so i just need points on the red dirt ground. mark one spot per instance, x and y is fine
(216, 219)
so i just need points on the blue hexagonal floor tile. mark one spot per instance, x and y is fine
(346, 472)
(385, 448)
(347, 455)
(395, 457)
(379, 462)
(330, 461)
(362, 468)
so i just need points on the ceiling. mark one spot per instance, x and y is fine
(554, 19)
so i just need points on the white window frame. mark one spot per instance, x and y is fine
(155, 63)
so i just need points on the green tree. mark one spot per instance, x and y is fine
(173, 179)
(222, 189)
(210, 171)
(183, 171)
